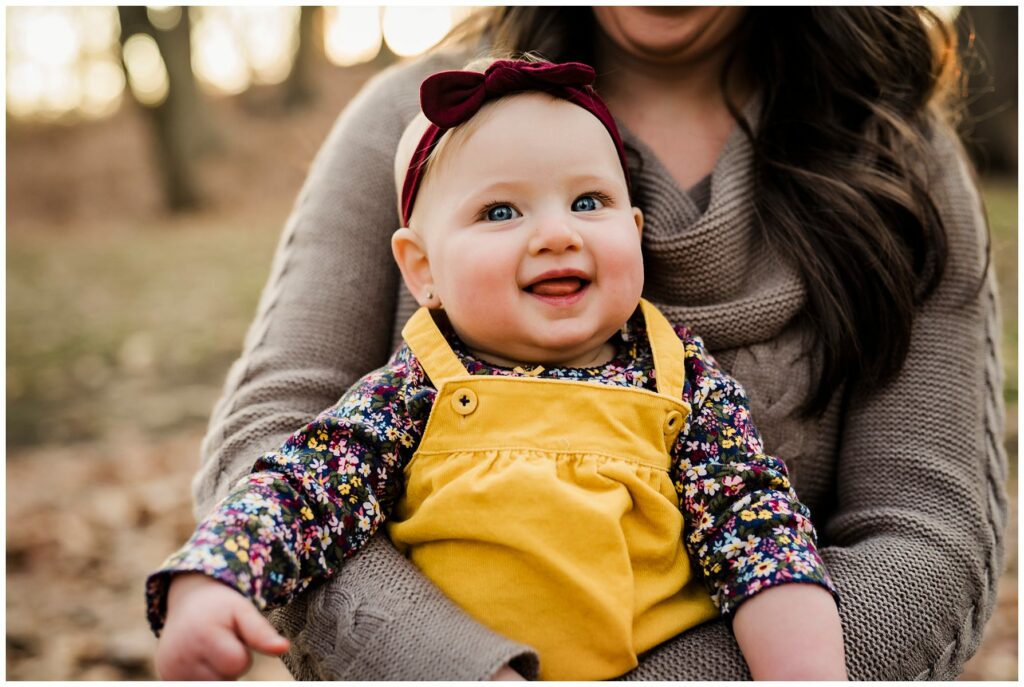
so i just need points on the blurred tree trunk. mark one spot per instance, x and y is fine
(299, 89)
(989, 37)
(181, 123)
(386, 56)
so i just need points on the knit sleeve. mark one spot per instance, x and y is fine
(308, 506)
(744, 525)
(325, 318)
(916, 544)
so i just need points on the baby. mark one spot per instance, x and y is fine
(562, 463)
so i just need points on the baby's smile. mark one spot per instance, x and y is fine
(559, 287)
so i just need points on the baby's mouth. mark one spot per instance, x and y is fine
(561, 286)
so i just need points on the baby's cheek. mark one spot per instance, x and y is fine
(625, 259)
(483, 277)
(483, 292)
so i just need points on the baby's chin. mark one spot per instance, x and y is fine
(564, 343)
(568, 350)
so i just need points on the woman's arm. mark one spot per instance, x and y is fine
(324, 320)
(915, 546)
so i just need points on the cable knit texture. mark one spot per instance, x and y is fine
(906, 483)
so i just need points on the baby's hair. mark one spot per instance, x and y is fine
(453, 137)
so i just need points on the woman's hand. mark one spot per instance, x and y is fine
(209, 631)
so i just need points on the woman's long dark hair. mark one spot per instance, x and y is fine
(849, 99)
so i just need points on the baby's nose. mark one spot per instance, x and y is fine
(554, 234)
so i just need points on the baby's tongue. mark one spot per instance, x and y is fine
(557, 287)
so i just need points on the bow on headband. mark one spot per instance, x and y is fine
(453, 97)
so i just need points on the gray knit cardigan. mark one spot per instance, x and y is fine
(906, 483)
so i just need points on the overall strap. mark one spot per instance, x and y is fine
(667, 349)
(432, 350)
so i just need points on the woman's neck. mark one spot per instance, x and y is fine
(678, 110)
(622, 74)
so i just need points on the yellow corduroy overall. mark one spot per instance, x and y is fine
(545, 509)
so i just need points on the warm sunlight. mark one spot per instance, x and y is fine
(947, 12)
(217, 58)
(102, 86)
(351, 34)
(147, 74)
(57, 55)
(236, 46)
(413, 30)
(64, 60)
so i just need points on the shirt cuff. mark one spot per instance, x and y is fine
(214, 565)
(785, 558)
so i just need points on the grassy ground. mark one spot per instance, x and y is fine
(126, 328)
(117, 344)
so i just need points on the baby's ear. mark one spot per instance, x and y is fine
(411, 256)
(638, 217)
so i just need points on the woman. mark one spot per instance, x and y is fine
(829, 246)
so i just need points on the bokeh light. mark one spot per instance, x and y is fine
(946, 12)
(54, 57)
(63, 60)
(412, 30)
(218, 58)
(43, 35)
(352, 34)
(147, 74)
(270, 38)
(98, 29)
(103, 86)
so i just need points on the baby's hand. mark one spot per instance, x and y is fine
(209, 631)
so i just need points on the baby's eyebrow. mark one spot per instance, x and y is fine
(517, 184)
(594, 178)
(505, 186)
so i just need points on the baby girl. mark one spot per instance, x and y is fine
(565, 465)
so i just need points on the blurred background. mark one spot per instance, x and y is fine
(153, 154)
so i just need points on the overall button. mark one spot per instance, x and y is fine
(464, 401)
(673, 422)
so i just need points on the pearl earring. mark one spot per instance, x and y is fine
(428, 295)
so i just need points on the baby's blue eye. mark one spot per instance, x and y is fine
(501, 213)
(586, 204)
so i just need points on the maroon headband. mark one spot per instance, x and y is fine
(453, 97)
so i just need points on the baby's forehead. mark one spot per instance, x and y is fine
(521, 106)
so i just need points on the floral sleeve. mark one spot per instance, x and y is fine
(744, 524)
(305, 508)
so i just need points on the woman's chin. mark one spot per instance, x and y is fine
(667, 34)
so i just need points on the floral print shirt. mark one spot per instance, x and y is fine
(304, 509)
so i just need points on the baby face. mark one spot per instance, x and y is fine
(529, 241)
